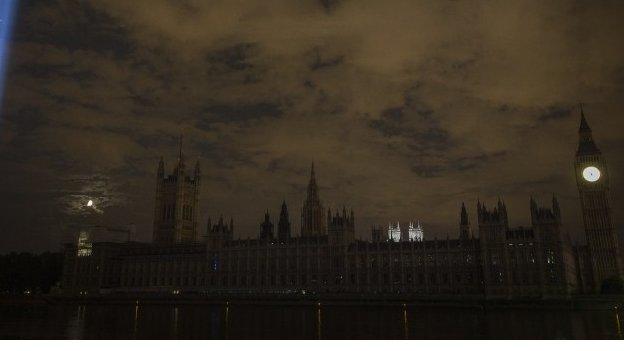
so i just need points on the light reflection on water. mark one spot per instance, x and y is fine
(136, 320)
(617, 323)
(232, 321)
(405, 327)
(319, 325)
(175, 322)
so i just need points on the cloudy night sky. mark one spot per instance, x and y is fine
(407, 108)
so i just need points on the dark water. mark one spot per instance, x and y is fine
(300, 322)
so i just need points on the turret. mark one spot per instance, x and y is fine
(266, 228)
(496, 216)
(197, 171)
(340, 228)
(556, 209)
(160, 174)
(493, 224)
(180, 165)
(217, 234)
(394, 232)
(464, 224)
(543, 215)
(283, 227)
(415, 232)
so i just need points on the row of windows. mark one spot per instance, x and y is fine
(304, 279)
(361, 261)
(168, 212)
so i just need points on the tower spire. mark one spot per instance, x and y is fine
(283, 226)
(312, 187)
(586, 141)
(161, 168)
(584, 126)
(180, 165)
(464, 215)
(180, 155)
(464, 224)
(180, 143)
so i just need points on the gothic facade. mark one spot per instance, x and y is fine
(176, 209)
(495, 261)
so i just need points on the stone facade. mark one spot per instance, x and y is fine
(176, 210)
(534, 261)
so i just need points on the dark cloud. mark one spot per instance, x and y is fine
(406, 108)
(235, 57)
(27, 119)
(555, 112)
(329, 5)
(73, 25)
(320, 62)
(239, 112)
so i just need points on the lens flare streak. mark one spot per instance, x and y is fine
(7, 12)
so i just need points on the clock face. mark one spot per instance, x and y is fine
(591, 174)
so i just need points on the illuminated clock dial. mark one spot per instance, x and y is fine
(591, 174)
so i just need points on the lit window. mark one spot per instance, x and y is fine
(84, 244)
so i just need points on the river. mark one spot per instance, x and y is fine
(154, 321)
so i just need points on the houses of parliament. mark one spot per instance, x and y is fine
(488, 259)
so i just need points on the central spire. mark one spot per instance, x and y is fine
(312, 175)
(312, 213)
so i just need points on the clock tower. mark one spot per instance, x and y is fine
(592, 180)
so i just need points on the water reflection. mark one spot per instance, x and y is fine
(136, 320)
(227, 319)
(617, 323)
(175, 322)
(319, 326)
(319, 321)
(405, 328)
(75, 325)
